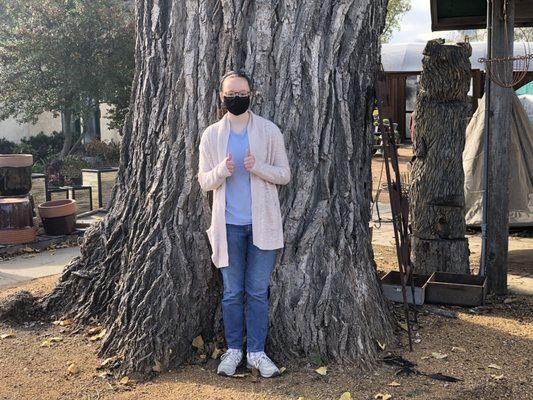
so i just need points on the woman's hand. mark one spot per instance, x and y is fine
(230, 164)
(249, 160)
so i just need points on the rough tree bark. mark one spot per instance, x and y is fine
(145, 270)
(437, 178)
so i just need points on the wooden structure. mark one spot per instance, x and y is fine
(402, 64)
(472, 14)
(499, 17)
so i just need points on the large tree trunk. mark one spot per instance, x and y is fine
(437, 178)
(145, 271)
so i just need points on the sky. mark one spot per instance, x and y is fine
(415, 25)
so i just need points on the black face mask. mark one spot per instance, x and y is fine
(237, 105)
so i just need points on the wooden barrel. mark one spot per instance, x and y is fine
(16, 220)
(15, 174)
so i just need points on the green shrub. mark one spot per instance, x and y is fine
(107, 152)
(7, 146)
(42, 146)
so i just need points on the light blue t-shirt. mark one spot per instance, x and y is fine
(238, 190)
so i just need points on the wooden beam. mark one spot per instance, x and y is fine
(498, 153)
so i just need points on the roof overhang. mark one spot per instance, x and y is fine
(449, 15)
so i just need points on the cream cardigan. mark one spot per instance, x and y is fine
(271, 168)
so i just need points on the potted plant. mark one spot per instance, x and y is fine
(58, 216)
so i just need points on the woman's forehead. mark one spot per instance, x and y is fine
(235, 83)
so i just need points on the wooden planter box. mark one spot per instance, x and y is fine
(456, 289)
(102, 181)
(392, 288)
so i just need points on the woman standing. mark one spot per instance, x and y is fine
(242, 159)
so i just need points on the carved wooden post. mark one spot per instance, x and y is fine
(436, 192)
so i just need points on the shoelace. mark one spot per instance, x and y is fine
(232, 355)
(256, 361)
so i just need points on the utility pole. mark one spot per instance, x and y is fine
(496, 223)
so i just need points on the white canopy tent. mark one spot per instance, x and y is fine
(520, 167)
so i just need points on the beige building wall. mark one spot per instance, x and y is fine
(12, 130)
(107, 134)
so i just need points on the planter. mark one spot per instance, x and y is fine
(102, 181)
(392, 288)
(18, 236)
(456, 289)
(15, 174)
(58, 216)
(16, 220)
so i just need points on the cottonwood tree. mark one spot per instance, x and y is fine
(145, 271)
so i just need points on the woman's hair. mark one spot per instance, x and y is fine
(239, 73)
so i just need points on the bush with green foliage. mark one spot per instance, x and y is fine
(7, 146)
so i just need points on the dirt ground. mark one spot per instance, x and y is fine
(488, 348)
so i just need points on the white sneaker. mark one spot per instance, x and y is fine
(230, 360)
(260, 361)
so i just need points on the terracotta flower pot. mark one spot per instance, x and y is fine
(58, 216)
(15, 174)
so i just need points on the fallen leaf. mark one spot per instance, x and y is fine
(322, 371)
(381, 345)
(157, 366)
(198, 342)
(73, 369)
(439, 356)
(383, 396)
(108, 360)
(7, 335)
(282, 370)
(56, 339)
(124, 380)
(346, 396)
(461, 349)
(425, 357)
(46, 343)
(403, 325)
(216, 353)
(301, 398)
(494, 366)
(239, 375)
(65, 322)
(94, 331)
(394, 383)
(497, 377)
(98, 336)
(104, 374)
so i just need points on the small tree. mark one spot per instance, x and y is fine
(395, 11)
(54, 56)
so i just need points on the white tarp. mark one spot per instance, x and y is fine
(520, 167)
(527, 102)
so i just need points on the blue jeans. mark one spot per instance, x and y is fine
(248, 273)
